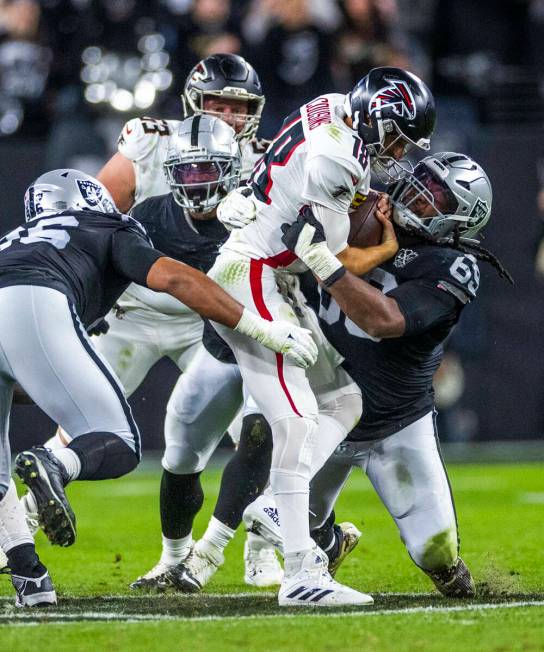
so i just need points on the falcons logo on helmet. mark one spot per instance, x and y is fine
(398, 96)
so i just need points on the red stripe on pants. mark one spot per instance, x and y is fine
(255, 281)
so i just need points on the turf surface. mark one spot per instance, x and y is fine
(500, 510)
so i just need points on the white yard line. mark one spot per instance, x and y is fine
(28, 618)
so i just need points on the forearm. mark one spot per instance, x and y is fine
(374, 312)
(195, 290)
(360, 261)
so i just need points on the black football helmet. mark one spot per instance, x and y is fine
(391, 102)
(226, 76)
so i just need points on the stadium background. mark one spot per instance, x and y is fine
(72, 72)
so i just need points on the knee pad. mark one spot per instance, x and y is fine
(256, 436)
(103, 456)
(185, 453)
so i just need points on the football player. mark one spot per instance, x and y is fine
(147, 326)
(320, 158)
(390, 328)
(64, 269)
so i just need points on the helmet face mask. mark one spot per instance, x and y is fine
(66, 189)
(203, 163)
(447, 192)
(227, 78)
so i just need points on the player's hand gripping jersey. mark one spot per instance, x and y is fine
(315, 159)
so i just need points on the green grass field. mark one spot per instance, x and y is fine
(500, 509)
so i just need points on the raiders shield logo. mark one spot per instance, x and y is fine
(479, 211)
(91, 192)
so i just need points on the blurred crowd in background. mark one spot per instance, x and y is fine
(66, 63)
(73, 71)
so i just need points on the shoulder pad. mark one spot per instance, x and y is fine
(455, 272)
(140, 136)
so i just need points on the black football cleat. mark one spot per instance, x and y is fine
(454, 582)
(33, 591)
(46, 478)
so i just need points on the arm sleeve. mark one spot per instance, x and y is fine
(424, 305)
(133, 255)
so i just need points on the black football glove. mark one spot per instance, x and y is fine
(99, 329)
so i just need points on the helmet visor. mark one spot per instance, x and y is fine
(200, 185)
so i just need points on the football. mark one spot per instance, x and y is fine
(365, 229)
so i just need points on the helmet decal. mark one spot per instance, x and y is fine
(91, 192)
(199, 72)
(398, 96)
(480, 210)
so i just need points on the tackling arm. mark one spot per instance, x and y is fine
(374, 312)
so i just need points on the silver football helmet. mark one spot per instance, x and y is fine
(203, 163)
(66, 189)
(445, 191)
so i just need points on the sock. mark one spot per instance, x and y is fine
(174, 551)
(295, 529)
(23, 560)
(59, 440)
(292, 562)
(13, 527)
(181, 498)
(218, 534)
(70, 460)
(246, 473)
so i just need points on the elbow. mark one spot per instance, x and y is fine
(385, 326)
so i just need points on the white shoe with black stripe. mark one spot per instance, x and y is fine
(313, 586)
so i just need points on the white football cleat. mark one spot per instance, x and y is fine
(312, 586)
(197, 570)
(261, 517)
(262, 567)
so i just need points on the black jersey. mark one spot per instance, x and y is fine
(171, 229)
(91, 257)
(431, 285)
(195, 242)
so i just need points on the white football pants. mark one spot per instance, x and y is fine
(408, 474)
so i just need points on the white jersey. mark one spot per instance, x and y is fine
(315, 159)
(144, 141)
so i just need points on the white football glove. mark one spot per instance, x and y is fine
(306, 238)
(237, 209)
(292, 341)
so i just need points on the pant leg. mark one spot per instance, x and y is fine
(61, 370)
(130, 347)
(6, 395)
(203, 403)
(407, 472)
(281, 391)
